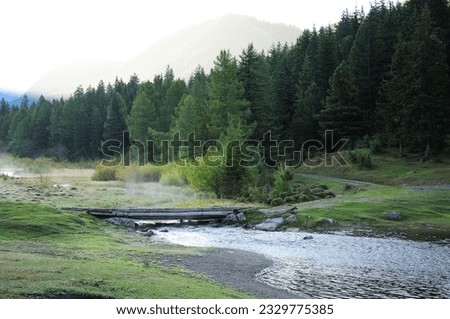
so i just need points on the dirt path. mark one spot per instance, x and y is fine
(361, 183)
(335, 179)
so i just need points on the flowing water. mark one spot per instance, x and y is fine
(335, 266)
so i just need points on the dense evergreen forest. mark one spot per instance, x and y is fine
(379, 79)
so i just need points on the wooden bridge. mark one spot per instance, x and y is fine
(204, 213)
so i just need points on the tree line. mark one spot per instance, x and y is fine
(377, 78)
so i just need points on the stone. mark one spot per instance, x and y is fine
(149, 233)
(308, 237)
(241, 217)
(125, 222)
(394, 215)
(326, 222)
(164, 230)
(277, 211)
(270, 224)
(230, 218)
(291, 218)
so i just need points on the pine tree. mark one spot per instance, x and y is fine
(41, 126)
(258, 89)
(341, 112)
(115, 123)
(143, 113)
(233, 173)
(326, 59)
(305, 124)
(131, 91)
(226, 96)
(284, 88)
(20, 132)
(369, 59)
(174, 93)
(395, 96)
(192, 115)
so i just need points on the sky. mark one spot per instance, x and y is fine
(37, 36)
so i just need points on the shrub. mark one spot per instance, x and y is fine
(276, 201)
(147, 173)
(105, 173)
(172, 179)
(205, 178)
(362, 157)
(283, 176)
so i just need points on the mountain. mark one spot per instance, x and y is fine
(200, 45)
(9, 96)
(63, 81)
(183, 51)
(14, 98)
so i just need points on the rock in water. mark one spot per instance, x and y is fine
(164, 230)
(308, 237)
(149, 233)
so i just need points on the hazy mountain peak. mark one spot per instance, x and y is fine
(183, 51)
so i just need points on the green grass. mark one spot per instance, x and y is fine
(47, 253)
(426, 214)
(389, 170)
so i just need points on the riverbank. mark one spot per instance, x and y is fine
(238, 269)
(47, 253)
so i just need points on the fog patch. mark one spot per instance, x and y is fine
(159, 192)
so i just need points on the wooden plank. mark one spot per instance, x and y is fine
(163, 216)
(191, 213)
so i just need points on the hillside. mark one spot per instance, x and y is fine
(183, 51)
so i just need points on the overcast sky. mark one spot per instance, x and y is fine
(39, 35)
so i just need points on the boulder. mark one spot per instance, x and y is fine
(149, 233)
(394, 215)
(308, 237)
(241, 217)
(277, 211)
(230, 218)
(270, 224)
(291, 218)
(164, 230)
(326, 222)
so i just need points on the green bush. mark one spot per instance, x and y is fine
(282, 186)
(172, 179)
(105, 173)
(203, 177)
(362, 157)
(276, 201)
(148, 173)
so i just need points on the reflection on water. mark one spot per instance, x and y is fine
(335, 266)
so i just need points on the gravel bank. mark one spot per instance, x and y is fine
(236, 268)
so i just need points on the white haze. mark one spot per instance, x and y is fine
(38, 36)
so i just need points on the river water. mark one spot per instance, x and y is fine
(334, 266)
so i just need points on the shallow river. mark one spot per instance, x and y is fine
(335, 266)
